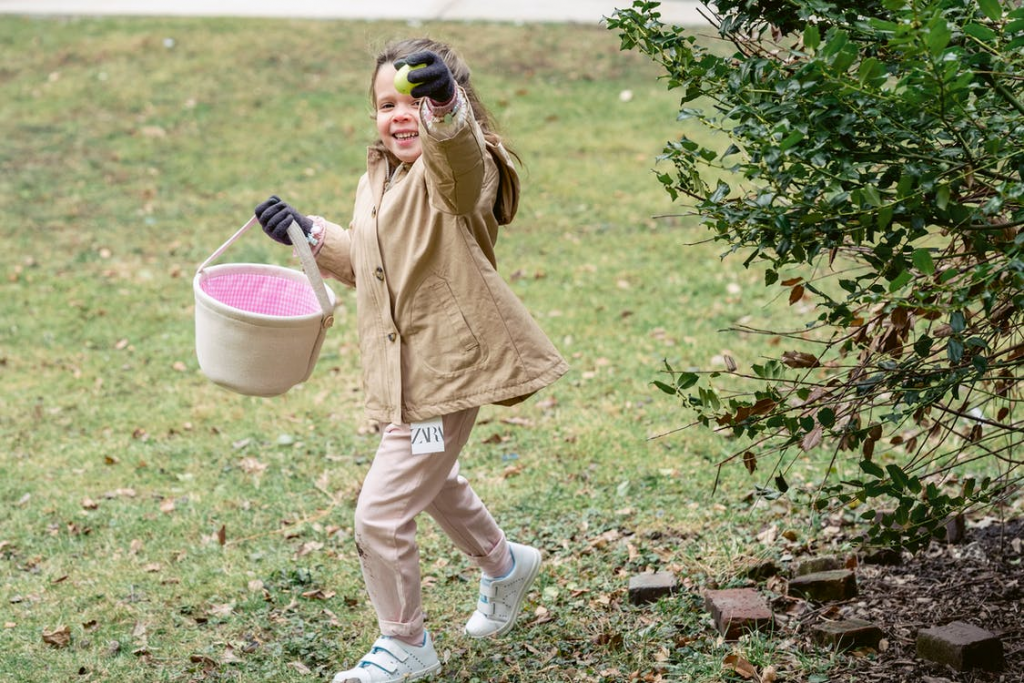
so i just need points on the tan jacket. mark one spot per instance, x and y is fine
(439, 330)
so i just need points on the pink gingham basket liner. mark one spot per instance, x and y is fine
(259, 327)
(262, 294)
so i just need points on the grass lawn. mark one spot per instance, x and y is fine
(154, 527)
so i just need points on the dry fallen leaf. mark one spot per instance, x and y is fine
(512, 471)
(59, 637)
(229, 656)
(745, 669)
(309, 547)
(222, 610)
(251, 465)
(517, 421)
(547, 403)
(319, 594)
(300, 667)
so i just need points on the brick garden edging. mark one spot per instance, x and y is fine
(962, 646)
(737, 611)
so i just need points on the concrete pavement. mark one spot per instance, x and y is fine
(680, 12)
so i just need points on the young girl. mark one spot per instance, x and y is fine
(440, 334)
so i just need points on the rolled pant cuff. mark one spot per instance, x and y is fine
(497, 562)
(411, 629)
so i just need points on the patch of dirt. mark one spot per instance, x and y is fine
(979, 581)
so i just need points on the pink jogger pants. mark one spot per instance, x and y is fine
(399, 486)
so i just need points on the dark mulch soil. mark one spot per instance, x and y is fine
(979, 581)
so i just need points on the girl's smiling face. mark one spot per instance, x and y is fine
(398, 116)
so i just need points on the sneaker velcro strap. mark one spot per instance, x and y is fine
(488, 589)
(387, 654)
(484, 607)
(393, 647)
(381, 659)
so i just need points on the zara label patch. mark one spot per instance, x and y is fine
(427, 437)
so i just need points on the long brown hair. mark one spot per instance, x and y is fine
(398, 49)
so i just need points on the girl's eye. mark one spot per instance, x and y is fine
(386, 106)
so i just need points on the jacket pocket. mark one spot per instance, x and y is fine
(453, 314)
(441, 337)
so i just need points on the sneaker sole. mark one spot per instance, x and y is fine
(519, 603)
(419, 675)
(426, 673)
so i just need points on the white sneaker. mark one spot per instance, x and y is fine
(501, 599)
(390, 660)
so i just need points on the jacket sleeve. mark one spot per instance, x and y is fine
(335, 256)
(454, 155)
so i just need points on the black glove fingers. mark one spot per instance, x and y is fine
(271, 212)
(275, 216)
(434, 81)
(263, 206)
(424, 57)
(280, 222)
(428, 74)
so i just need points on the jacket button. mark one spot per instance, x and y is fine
(373, 212)
(392, 336)
(379, 273)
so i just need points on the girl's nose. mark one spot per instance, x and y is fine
(405, 111)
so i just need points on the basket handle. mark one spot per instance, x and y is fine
(312, 271)
(305, 255)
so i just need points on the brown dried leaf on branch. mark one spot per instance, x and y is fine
(812, 438)
(750, 461)
(800, 359)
